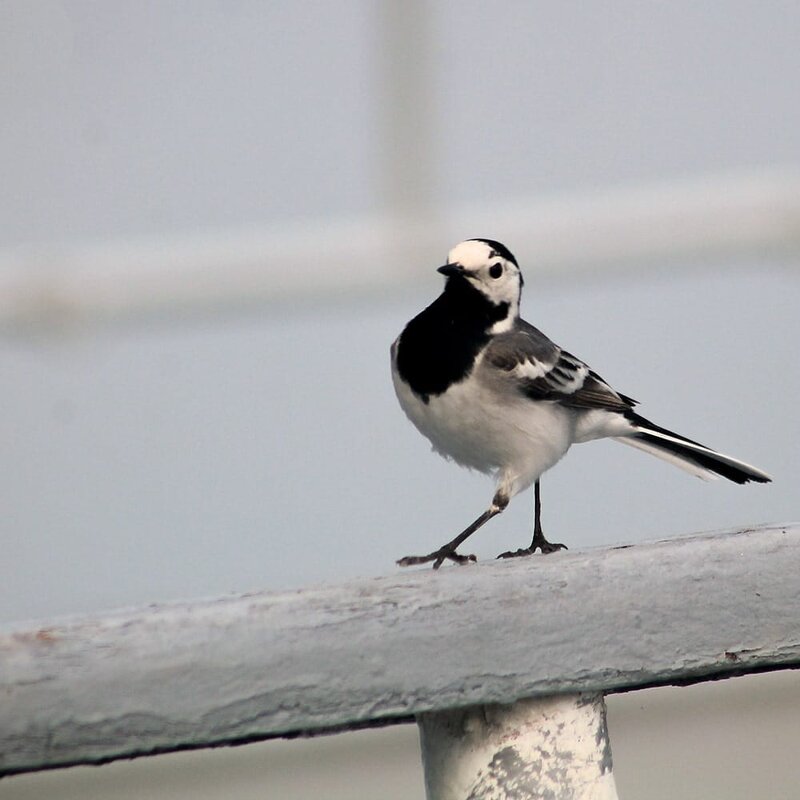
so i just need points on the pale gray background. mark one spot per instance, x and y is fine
(267, 451)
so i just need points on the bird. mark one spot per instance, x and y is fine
(494, 394)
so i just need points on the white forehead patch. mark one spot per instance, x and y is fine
(471, 255)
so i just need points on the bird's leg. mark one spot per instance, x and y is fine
(538, 536)
(448, 551)
(538, 542)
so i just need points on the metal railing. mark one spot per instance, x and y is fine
(715, 216)
(503, 665)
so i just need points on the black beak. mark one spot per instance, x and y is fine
(450, 270)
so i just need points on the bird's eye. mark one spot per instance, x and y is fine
(496, 270)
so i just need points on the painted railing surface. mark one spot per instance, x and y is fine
(481, 651)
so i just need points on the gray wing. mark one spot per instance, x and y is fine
(543, 371)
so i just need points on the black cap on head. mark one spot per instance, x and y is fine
(499, 248)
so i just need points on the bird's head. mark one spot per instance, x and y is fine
(489, 267)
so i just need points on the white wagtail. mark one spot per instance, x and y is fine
(495, 394)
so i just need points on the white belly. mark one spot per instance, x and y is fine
(511, 437)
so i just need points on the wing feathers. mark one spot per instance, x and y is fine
(544, 371)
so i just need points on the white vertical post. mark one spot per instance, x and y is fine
(407, 109)
(553, 747)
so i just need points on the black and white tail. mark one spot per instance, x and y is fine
(688, 455)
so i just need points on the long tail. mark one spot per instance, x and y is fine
(688, 455)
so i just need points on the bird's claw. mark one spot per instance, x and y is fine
(543, 545)
(438, 557)
(552, 547)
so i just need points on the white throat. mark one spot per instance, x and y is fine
(507, 323)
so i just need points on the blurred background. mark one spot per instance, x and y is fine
(215, 218)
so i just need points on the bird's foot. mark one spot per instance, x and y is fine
(538, 543)
(438, 557)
